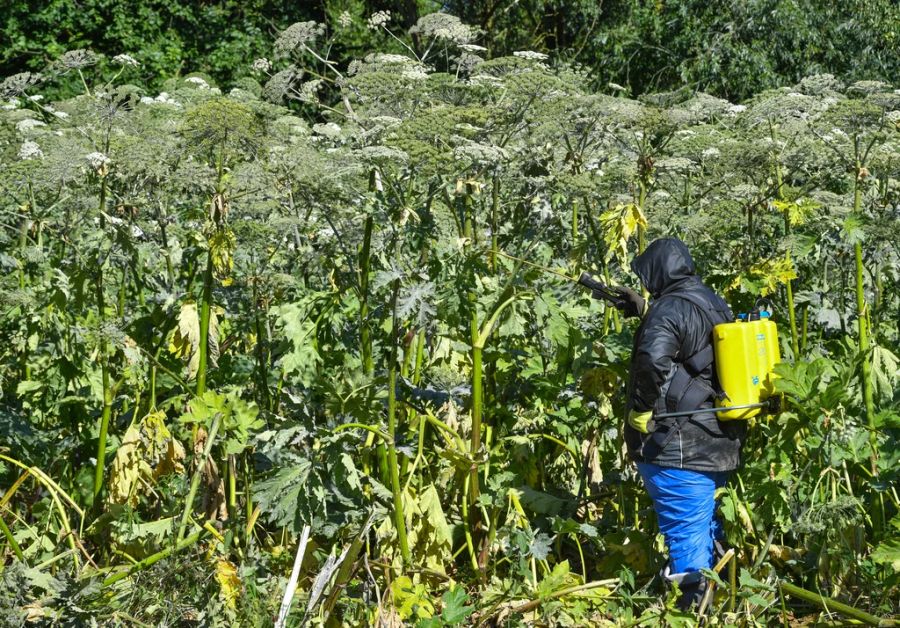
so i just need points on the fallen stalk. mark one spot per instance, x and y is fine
(524, 607)
(831, 605)
(155, 558)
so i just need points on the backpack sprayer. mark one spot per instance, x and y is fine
(746, 352)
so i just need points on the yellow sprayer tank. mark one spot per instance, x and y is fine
(746, 352)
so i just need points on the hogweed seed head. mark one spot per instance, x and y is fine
(75, 60)
(17, 83)
(296, 36)
(281, 83)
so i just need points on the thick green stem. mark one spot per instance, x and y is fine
(11, 540)
(641, 231)
(23, 242)
(792, 316)
(155, 558)
(574, 221)
(866, 366)
(863, 330)
(170, 267)
(399, 518)
(365, 332)
(106, 413)
(495, 212)
(262, 354)
(832, 605)
(205, 308)
(195, 478)
(420, 357)
(789, 289)
(477, 402)
(804, 327)
(104, 431)
(232, 487)
(468, 227)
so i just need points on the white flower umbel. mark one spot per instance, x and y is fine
(30, 150)
(530, 54)
(261, 65)
(196, 80)
(379, 19)
(26, 125)
(444, 27)
(329, 129)
(125, 60)
(344, 20)
(97, 160)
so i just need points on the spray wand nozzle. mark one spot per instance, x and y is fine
(599, 290)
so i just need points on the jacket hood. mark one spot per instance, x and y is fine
(664, 263)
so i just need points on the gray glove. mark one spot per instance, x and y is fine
(630, 303)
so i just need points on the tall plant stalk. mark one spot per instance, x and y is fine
(862, 322)
(205, 308)
(198, 473)
(399, 517)
(495, 223)
(365, 332)
(475, 444)
(106, 412)
(788, 287)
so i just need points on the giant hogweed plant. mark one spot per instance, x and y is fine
(309, 303)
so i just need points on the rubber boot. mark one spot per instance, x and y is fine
(691, 594)
(691, 584)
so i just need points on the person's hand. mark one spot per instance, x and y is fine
(630, 303)
(640, 420)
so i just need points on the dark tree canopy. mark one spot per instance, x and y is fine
(727, 48)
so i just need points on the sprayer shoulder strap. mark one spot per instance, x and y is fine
(687, 390)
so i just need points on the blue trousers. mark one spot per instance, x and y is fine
(685, 506)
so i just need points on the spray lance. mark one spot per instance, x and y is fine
(599, 290)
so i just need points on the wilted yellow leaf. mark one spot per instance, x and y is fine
(229, 581)
(618, 225)
(764, 277)
(221, 247)
(185, 341)
(147, 452)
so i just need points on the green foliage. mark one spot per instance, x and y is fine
(343, 245)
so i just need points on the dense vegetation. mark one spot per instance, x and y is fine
(230, 318)
(728, 48)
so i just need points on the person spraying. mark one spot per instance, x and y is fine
(682, 459)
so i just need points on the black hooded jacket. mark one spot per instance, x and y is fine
(674, 329)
